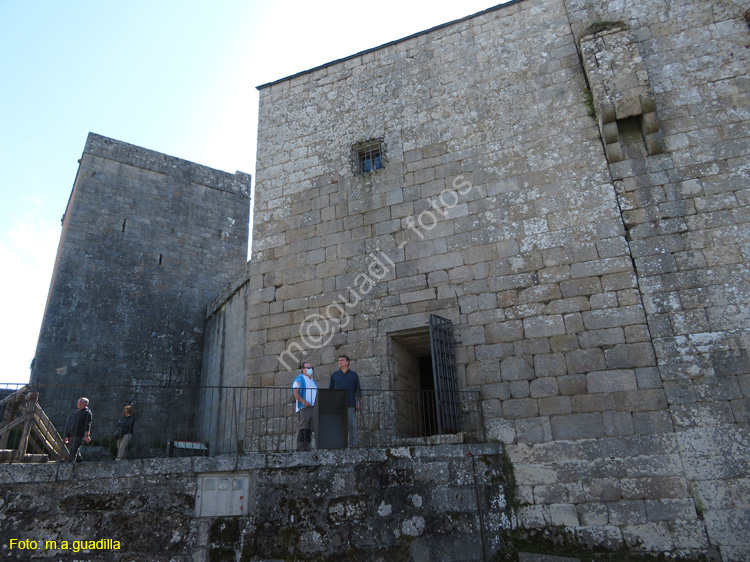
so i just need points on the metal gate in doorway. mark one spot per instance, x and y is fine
(443, 351)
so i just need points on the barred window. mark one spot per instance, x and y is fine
(368, 156)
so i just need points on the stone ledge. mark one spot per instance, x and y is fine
(23, 473)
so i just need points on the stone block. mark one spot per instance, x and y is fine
(543, 387)
(507, 248)
(519, 389)
(592, 514)
(346, 249)
(533, 430)
(387, 227)
(612, 247)
(593, 403)
(550, 493)
(263, 295)
(585, 360)
(651, 536)
(604, 300)
(728, 527)
(637, 334)
(617, 423)
(597, 268)
(493, 351)
(473, 255)
(517, 368)
(570, 385)
(668, 509)
(543, 326)
(640, 400)
(717, 389)
(569, 305)
(415, 250)
(702, 414)
(488, 319)
(496, 390)
(416, 296)
(581, 287)
(520, 408)
(713, 494)
(741, 410)
(577, 426)
(612, 318)
(539, 293)
(555, 405)
(532, 516)
(550, 365)
(573, 323)
(567, 342)
(730, 363)
(611, 381)
(627, 512)
(554, 274)
(648, 377)
(655, 265)
(654, 487)
(607, 536)
(535, 346)
(563, 515)
(600, 338)
(445, 261)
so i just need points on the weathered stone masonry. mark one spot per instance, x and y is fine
(419, 503)
(594, 266)
(147, 241)
(566, 181)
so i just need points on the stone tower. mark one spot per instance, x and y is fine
(566, 182)
(147, 241)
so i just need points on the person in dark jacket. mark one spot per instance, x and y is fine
(348, 380)
(79, 429)
(125, 431)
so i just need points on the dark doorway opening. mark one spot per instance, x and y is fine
(427, 396)
(424, 376)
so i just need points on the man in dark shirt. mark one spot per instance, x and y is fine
(347, 379)
(79, 429)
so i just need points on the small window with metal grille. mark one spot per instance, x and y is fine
(368, 156)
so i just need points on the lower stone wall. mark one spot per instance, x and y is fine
(443, 502)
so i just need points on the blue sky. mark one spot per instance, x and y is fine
(175, 76)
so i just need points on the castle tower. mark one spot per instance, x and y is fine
(566, 183)
(147, 241)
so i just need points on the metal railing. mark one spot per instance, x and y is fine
(212, 420)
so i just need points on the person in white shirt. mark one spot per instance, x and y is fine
(305, 390)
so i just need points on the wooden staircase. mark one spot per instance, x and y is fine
(37, 433)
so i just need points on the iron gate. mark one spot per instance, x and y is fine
(443, 348)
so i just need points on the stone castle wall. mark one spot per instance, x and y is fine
(566, 182)
(147, 241)
(423, 503)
